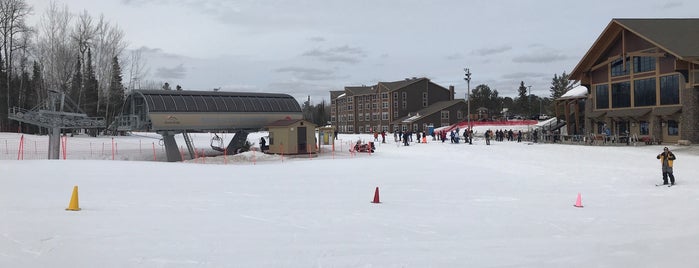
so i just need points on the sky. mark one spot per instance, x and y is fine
(508, 204)
(310, 47)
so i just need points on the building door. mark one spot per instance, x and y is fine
(301, 139)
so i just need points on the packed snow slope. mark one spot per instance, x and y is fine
(442, 205)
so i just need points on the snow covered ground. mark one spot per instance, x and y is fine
(443, 205)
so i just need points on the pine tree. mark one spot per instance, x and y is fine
(91, 88)
(560, 85)
(116, 91)
(522, 99)
(76, 84)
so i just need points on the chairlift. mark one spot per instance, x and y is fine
(217, 143)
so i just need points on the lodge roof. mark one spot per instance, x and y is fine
(678, 37)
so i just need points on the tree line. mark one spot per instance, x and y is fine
(524, 104)
(76, 54)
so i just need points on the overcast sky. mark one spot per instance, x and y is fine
(309, 47)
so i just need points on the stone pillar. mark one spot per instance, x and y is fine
(689, 120)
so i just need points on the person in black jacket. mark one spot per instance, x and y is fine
(666, 159)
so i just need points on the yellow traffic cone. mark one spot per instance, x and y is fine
(73, 206)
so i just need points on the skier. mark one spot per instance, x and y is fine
(666, 159)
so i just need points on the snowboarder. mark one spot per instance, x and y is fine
(666, 159)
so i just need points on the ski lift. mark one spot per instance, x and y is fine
(217, 143)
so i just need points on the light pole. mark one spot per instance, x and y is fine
(529, 106)
(468, 95)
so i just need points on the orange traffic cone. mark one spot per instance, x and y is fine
(578, 202)
(376, 196)
(73, 206)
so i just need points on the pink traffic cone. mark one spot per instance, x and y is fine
(578, 202)
(376, 196)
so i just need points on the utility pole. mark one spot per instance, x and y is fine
(529, 106)
(468, 95)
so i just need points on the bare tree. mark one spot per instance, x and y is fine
(109, 43)
(12, 24)
(137, 69)
(55, 51)
(83, 35)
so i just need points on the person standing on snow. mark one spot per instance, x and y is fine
(666, 159)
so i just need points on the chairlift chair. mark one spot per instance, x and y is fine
(217, 143)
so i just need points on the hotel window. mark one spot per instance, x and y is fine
(368, 128)
(375, 117)
(405, 105)
(361, 129)
(619, 68)
(384, 128)
(669, 90)
(445, 114)
(384, 95)
(602, 96)
(360, 117)
(395, 114)
(621, 95)
(350, 117)
(395, 96)
(350, 128)
(349, 107)
(643, 64)
(404, 95)
(367, 117)
(374, 106)
(643, 127)
(384, 116)
(644, 92)
(424, 99)
(384, 105)
(672, 128)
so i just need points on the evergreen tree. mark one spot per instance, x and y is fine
(116, 91)
(91, 88)
(522, 100)
(166, 86)
(36, 87)
(560, 85)
(76, 84)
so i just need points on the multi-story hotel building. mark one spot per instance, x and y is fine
(410, 104)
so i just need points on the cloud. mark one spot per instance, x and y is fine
(177, 72)
(491, 51)
(455, 56)
(523, 75)
(308, 73)
(344, 54)
(317, 39)
(540, 55)
(157, 52)
(670, 5)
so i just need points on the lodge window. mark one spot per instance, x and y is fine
(672, 128)
(643, 127)
(405, 105)
(384, 116)
(669, 90)
(424, 99)
(384, 105)
(644, 92)
(621, 95)
(360, 117)
(350, 117)
(602, 96)
(384, 95)
(395, 114)
(620, 67)
(643, 64)
(404, 95)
